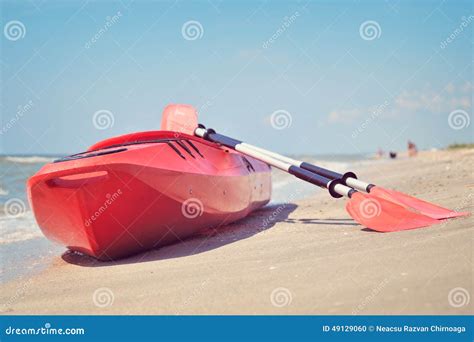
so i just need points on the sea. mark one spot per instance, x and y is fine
(24, 251)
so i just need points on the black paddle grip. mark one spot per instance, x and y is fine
(211, 135)
(309, 176)
(328, 173)
(321, 171)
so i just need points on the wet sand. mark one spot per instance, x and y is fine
(306, 257)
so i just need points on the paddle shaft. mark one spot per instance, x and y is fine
(349, 178)
(335, 187)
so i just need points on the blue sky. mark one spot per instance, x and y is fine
(299, 77)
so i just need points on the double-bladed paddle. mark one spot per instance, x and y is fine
(369, 210)
(380, 209)
(350, 179)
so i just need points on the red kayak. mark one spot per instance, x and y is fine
(143, 190)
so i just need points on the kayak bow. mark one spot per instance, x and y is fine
(144, 190)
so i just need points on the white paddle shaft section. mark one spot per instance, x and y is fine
(275, 155)
(263, 157)
(253, 153)
(342, 190)
(357, 184)
(200, 132)
(283, 163)
(351, 182)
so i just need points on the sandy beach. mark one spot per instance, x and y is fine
(306, 257)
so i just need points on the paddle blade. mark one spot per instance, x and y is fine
(384, 216)
(179, 118)
(419, 205)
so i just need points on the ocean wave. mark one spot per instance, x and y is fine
(18, 229)
(29, 159)
(19, 236)
(3, 192)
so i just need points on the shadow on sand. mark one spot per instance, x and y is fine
(339, 222)
(205, 240)
(212, 238)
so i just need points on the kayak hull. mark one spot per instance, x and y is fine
(120, 199)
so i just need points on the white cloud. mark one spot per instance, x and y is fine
(344, 115)
(417, 101)
(435, 102)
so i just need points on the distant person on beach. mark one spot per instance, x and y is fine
(380, 153)
(412, 150)
(393, 155)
